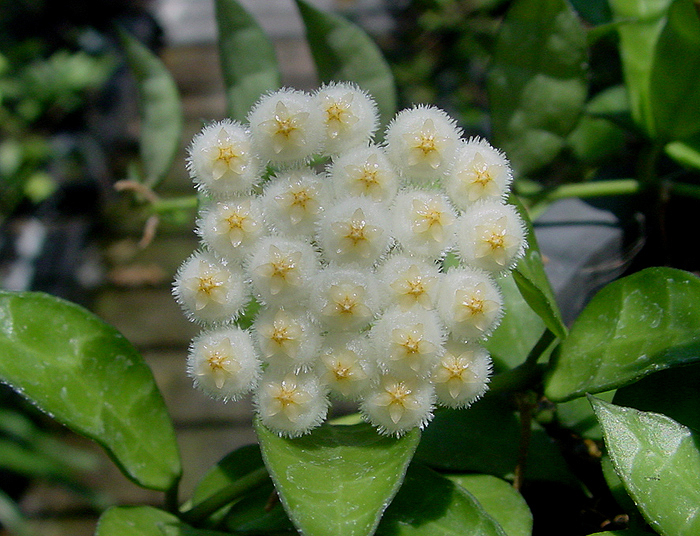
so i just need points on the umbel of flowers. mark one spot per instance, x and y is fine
(347, 262)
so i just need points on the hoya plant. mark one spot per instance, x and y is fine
(369, 278)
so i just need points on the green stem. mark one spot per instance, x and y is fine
(178, 203)
(588, 189)
(201, 511)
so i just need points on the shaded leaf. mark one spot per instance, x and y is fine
(658, 461)
(161, 112)
(343, 51)
(431, 505)
(675, 392)
(500, 500)
(634, 326)
(641, 24)
(145, 521)
(248, 60)
(537, 84)
(686, 152)
(337, 479)
(577, 415)
(674, 92)
(86, 375)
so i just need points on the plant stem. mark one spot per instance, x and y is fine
(587, 189)
(171, 498)
(188, 202)
(227, 495)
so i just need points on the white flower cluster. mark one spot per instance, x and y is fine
(347, 263)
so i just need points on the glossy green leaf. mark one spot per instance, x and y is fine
(637, 325)
(533, 282)
(431, 505)
(686, 152)
(537, 85)
(500, 500)
(161, 111)
(641, 24)
(145, 521)
(248, 60)
(86, 375)
(519, 330)
(675, 392)
(337, 480)
(343, 51)
(658, 461)
(616, 487)
(674, 92)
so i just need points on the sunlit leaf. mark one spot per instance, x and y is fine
(500, 500)
(658, 461)
(537, 84)
(86, 375)
(337, 480)
(637, 325)
(674, 93)
(641, 24)
(431, 505)
(343, 51)
(161, 111)
(685, 152)
(145, 521)
(247, 55)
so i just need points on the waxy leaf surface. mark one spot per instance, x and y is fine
(86, 375)
(658, 461)
(637, 325)
(337, 480)
(145, 521)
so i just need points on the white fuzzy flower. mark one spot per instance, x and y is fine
(293, 202)
(364, 171)
(345, 299)
(280, 270)
(462, 375)
(421, 142)
(480, 172)
(287, 339)
(491, 236)
(343, 367)
(423, 222)
(221, 160)
(228, 228)
(407, 343)
(410, 281)
(469, 303)
(396, 405)
(223, 363)
(286, 127)
(208, 290)
(349, 115)
(291, 405)
(354, 231)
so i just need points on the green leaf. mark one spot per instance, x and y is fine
(337, 480)
(248, 60)
(641, 24)
(431, 505)
(686, 152)
(673, 392)
(343, 51)
(537, 84)
(500, 500)
(519, 330)
(485, 438)
(674, 92)
(145, 521)
(577, 415)
(625, 532)
(250, 511)
(634, 326)
(658, 461)
(533, 282)
(161, 112)
(86, 375)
